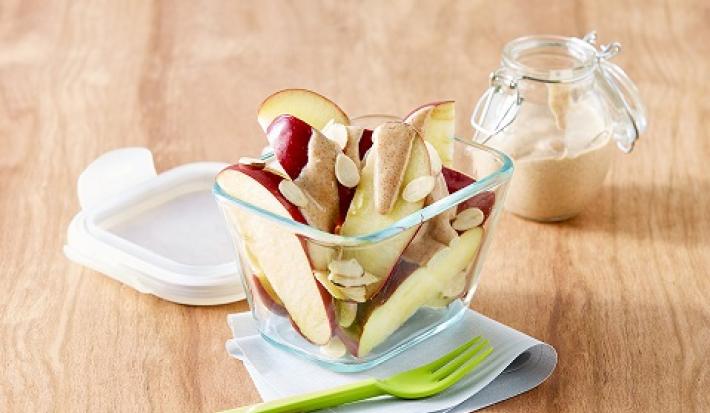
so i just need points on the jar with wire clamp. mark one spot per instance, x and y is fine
(558, 106)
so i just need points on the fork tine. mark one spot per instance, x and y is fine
(451, 355)
(457, 362)
(466, 368)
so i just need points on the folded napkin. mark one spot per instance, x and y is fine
(517, 364)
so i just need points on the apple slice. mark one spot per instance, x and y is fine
(308, 158)
(281, 254)
(363, 218)
(313, 108)
(288, 136)
(456, 180)
(406, 293)
(437, 124)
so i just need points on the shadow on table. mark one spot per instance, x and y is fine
(678, 214)
(618, 345)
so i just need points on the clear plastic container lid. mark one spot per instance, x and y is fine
(162, 234)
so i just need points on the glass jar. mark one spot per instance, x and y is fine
(284, 263)
(557, 106)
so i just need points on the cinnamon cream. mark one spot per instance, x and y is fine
(318, 182)
(392, 146)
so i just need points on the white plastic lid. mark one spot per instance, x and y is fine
(162, 234)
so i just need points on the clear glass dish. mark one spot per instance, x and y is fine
(422, 294)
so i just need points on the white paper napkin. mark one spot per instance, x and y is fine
(517, 364)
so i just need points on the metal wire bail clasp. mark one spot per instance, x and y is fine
(623, 93)
(498, 106)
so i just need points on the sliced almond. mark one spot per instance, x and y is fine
(293, 193)
(467, 219)
(258, 163)
(337, 133)
(434, 158)
(347, 268)
(276, 169)
(418, 188)
(332, 289)
(334, 349)
(368, 278)
(356, 294)
(346, 171)
(344, 281)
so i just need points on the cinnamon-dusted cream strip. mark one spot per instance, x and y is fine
(318, 182)
(392, 146)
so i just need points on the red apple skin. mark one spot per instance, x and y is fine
(399, 273)
(365, 142)
(270, 181)
(289, 137)
(266, 299)
(426, 105)
(456, 180)
(350, 337)
(345, 196)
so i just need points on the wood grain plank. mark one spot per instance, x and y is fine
(621, 291)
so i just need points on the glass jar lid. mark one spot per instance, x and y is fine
(567, 59)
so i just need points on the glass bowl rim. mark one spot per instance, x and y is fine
(499, 176)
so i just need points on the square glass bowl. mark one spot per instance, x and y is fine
(428, 287)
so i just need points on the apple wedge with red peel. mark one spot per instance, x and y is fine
(365, 142)
(308, 158)
(281, 254)
(363, 218)
(313, 108)
(437, 124)
(395, 304)
(289, 137)
(456, 180)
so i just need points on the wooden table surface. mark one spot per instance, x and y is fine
(622, 291)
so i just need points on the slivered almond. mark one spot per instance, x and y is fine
(347, 268)
(434, 158)
(344, 281)
(334, 349)
(356, 294)
(332, 289)
(467, 219)
(337, 133)
(346, 171)
(369, 278)
(276, 169)
(293, 193)
(258, 163)
(418, 188)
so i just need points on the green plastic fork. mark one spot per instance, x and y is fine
(420, 382)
